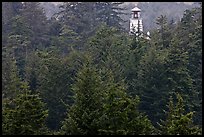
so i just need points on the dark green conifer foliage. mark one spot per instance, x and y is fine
(106, 93)
(10, 77)
(178, 123)
(164, 32)
(83, 115)
(191, 29)
(120, 115)
(25, 114)
(54, 76)
(103, 107)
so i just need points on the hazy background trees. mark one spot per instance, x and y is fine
(92, 76)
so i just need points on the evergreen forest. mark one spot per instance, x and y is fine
(80, 72)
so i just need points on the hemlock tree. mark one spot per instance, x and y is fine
(24, 115)
(19, 42)
(178, 123)
(32, 71)
(66, 40)
(26, 32)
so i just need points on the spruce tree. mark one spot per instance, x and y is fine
(164, 32)
(149, 83)
(54, 78)
(103, 107)
(109, 50)
(178, 123)
(82, 117)
(190, 35)
(120, 115)
(161, 72)
(10, 77)
(25, 114)
(35, 18)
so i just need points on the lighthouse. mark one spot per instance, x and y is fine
(136, 26)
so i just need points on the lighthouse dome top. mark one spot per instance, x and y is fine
(136, 9)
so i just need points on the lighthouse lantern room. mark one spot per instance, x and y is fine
(136, 22)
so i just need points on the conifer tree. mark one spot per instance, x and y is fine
(177, 74)
(9, 10)
(83, 115)
(35, 17)
(190, 35)
(178, 123)
(109, 50)
(163, 32)
(25, 114)
(120, 115)
(148, 83)
(54, 79)
(85, 17)
(161, 72)
(102, 107)
(10, 77)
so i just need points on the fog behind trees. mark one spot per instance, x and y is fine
(150, 11)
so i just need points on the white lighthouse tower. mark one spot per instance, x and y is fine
(136, 26)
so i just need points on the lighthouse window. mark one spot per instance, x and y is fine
(136, 15)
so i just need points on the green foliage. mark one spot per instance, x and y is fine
(110, 13)
(85, 17)
(82, 117)
(80, 61)
(17, 44)
(150, 83)
(178, 123)
(162, 71)
(24, 114)
(109, 50)
(9, 10)
(10, 78)
(164, 32)
(120, 114)
(103, 107)
(35, 17)
(176, 69)
(194, 48)
(138, 49)
(54, 77)
(66, 40)
(24, 33)
(32, 68)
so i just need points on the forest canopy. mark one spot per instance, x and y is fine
(80, 72)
